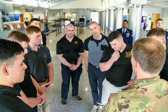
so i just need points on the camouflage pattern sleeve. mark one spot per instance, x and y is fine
(148, 95)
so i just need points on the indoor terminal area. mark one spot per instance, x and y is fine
(83, 56)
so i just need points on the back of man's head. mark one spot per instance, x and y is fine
(159, 32)
(8, 50)
(150, 54)
(31, 29)
(114, 35)
(18, 37)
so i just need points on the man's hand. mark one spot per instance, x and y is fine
(43, 98)
(115, 56)
(73, 67)
(110, 96)
(129, 83)
(46, 86)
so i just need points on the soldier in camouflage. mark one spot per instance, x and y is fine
(149, 93)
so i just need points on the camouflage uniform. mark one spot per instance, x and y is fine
(145, 95)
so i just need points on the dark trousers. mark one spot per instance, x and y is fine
(66, 75)
(46, 27)
(96, 78)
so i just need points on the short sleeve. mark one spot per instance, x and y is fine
(86, 44)
(81, 46)
(59, 48)
(106, 55)
(48, 56)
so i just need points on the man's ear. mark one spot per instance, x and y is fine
(29, 36)
(164, 40)
(134, 63)
(4, 70)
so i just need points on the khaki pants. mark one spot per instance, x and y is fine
(109, 88)
(46, 106)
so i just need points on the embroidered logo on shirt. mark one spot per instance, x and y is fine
(76, 42)
(128, 54)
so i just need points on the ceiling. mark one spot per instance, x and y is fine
(157, 3)
(51, 3)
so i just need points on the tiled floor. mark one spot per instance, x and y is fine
(84, 89)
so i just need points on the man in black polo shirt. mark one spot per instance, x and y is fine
(116, 60)
(70, 53)
(36, 22)
(38, 60)
(12, 70)
(93, 50)
(159, 34)
(29, 87)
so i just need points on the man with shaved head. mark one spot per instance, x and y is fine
(70, 53)
(93, 50)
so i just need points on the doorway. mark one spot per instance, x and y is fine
(155, 16)
(21, 17)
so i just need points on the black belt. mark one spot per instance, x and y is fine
(92, 65)
(44, 80)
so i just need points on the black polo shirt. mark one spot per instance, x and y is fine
(9, 102)
(121, 70)
(70, 50)
(27, 85)
(164, 72)
(37, 62)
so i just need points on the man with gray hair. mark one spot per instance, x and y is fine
(70, 53)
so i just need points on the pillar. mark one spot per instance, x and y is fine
(1, 23)
(134, 18)
(119, 18)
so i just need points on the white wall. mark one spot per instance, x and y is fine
(148, 13)
(165, 18)
(52, 13)
(39, 12)
(95, 16)
(80, 4)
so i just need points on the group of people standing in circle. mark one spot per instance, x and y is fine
(27, 73)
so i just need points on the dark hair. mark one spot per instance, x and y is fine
(114, 35)
(8, 50)
(156, 32)
(159, 20)
(32, 29)
(125, 21)
(34, 19)
(18, 36)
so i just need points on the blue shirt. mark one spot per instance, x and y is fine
(127, 36)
